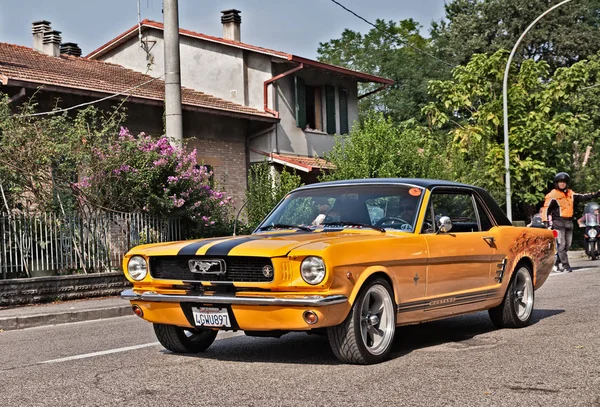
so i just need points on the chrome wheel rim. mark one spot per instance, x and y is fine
(523, 294)
(377, 323)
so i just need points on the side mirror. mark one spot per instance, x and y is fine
(444, 224)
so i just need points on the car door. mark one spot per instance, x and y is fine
(460, 261)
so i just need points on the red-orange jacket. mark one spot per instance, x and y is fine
(559, 204)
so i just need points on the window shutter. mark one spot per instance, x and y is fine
(300, 102)
(343, 111)
(330, 108)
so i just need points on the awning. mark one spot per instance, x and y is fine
(301, 163)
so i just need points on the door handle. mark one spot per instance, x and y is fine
(490, 240)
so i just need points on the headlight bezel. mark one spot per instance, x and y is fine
(308, 272)
(592, 232)
(141, 270)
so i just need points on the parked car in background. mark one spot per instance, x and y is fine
(387, 252)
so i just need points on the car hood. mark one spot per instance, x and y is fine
(270, 244)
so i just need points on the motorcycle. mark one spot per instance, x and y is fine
(591, 222)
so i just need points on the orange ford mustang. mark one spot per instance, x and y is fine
(352, 259)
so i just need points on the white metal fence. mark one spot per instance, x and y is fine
(47, 244)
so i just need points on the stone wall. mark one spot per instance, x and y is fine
(22, 291)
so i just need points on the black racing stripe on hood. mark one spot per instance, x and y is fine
(192, 248)
(223, 249)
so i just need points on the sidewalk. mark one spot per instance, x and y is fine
(109, 307)
(63, 312)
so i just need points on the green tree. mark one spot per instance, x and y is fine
(40, 156)
(543, 124)
(388, 51)
(563, 37)
(378, 148)
(266, 188)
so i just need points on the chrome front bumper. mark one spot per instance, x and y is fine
(233, 299)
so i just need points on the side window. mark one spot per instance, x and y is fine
(459, 207)
(484, 219)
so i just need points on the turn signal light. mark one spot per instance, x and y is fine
(555, 233)
(137, 311)
(310, 317)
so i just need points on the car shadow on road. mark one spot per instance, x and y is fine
(465, 331)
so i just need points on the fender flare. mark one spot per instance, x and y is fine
(368, 273)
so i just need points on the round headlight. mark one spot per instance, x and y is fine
(312, 270)
(592, 233)
(137, 268)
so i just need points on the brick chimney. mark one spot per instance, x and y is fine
(38, 28)
(70, 48)
(231, 21)
(51, 42)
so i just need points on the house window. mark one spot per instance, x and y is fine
(309, 106)
(314, 108)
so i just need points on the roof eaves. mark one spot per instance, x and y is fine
(86, 91)
(363, 77)
(103, 49)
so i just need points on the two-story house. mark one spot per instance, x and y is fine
(310, 101)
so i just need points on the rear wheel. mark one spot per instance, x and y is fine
(516, 308)
(367, 334)
(184, 340)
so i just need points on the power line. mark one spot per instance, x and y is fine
(93, 101)
(392, 35)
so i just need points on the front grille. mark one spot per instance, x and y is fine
(238, 269)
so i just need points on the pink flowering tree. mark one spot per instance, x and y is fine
(149, 175)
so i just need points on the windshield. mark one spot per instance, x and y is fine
(356, 206)
(591, 215)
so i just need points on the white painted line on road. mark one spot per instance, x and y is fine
(104, 352)
(222, 335)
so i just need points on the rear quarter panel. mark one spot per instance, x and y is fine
(535, 244)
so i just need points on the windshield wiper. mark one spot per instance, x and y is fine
(284, 226)
(345, 223)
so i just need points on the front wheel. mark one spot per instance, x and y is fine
(184, 340)
(516, 308)
(366, 336)
(593, 250)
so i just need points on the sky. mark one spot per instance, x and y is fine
(295, 27)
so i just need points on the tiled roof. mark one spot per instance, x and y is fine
(302, 163)
(22, 64)
(133, 31)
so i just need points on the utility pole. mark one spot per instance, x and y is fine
(173, 116)
(505, 108)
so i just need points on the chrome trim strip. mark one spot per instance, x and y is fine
(296, 301)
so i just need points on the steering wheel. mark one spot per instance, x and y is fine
(390, 220)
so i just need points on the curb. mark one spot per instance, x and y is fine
(13, 323)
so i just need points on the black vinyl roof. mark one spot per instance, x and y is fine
(419, 182)
(496, 211)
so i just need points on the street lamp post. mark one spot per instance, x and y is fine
(505, 106)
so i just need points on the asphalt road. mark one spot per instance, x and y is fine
(462, 361)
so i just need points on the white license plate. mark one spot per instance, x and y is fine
(213, 317)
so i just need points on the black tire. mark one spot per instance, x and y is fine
(593, 250)
(516, 308)
(367, 334)
(184, 340)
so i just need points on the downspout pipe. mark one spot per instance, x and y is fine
(273, 79)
